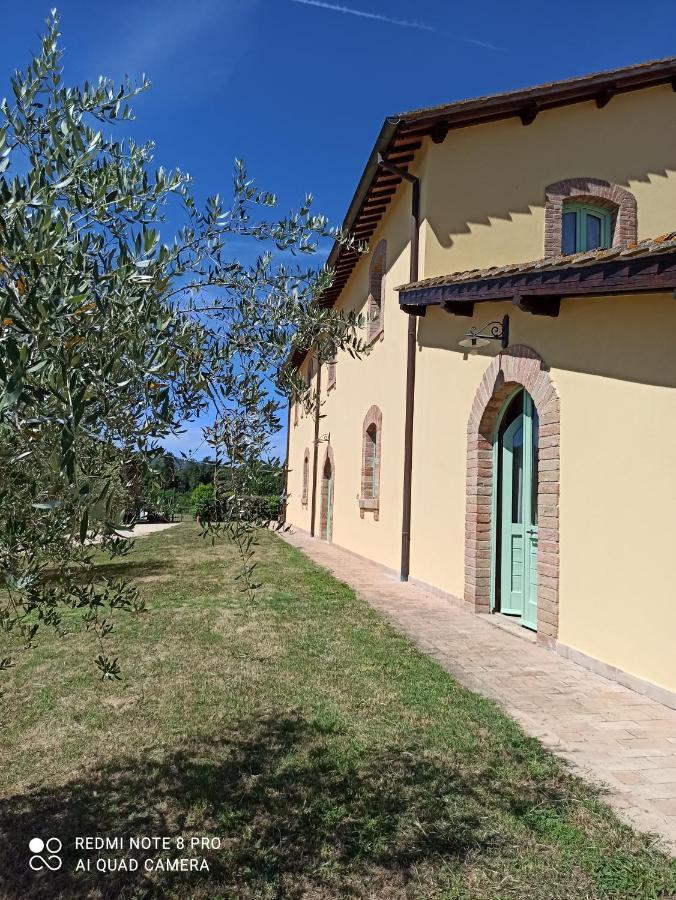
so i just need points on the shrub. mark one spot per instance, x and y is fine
(203, 502)
(266, 507)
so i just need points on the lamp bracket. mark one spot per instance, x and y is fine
(493, 331)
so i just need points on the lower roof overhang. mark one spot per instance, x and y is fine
(540, 291)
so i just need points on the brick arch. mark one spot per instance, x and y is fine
(375, 307)
(306, 476)
(620, 202)
(517, 366)
(369, 498)
(324, 494)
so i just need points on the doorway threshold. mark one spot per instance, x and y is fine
(512, 624)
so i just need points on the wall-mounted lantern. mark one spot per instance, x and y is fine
(481, 337)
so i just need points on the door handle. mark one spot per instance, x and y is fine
(531, 531)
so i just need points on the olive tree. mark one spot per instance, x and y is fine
(113, 334)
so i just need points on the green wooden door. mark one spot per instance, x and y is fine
(329, 503)
(519, 530)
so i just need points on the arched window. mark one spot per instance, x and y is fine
(370, 463)
(375, 308)
(584, 214)
(331, 373)
(308, 377)
(327, 496)
(585, 226)
(306, 476)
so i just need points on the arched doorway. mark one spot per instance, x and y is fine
(327, 495)
(517, 367)
(516, 509)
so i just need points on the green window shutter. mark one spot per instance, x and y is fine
(585, 227)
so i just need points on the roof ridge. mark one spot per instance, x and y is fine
(542, 86)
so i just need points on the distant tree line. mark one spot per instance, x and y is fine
(184, 475)
(171, 486)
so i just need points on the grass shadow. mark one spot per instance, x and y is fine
(296, 818)
(131, 569)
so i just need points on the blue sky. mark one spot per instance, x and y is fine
(299, 88)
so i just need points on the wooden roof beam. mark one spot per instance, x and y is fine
(384, 192)
(369, 212)
(388, 181)
(459, 307)
(345, 260)
(398, 159)
(413, 309)
(374, 201)
(404, 147)
(438, 132)
(605, 95)
(529, 113)
(540, 306)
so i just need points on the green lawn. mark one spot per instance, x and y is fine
(330, 756)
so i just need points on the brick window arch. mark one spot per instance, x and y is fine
(516, 366)
(331, 373)
(306, 476)
(618, 201)
(369, 498)
(375, 307)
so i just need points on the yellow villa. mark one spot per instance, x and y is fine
(511, 437)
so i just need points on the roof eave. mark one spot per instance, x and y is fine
(648, 273)
(549, 96)
(383, 141)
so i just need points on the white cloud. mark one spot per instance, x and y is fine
(157, 36)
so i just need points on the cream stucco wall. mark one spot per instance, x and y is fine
(612, 362)
(483, 188)
(376, 379)
(613, 365)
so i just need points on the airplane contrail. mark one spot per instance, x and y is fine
(390, 20)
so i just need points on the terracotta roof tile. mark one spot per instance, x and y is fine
(542, 88)
(647, 247)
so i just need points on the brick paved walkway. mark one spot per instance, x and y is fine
(610, 734)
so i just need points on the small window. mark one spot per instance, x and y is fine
(296, 406)
(371, 463)
(585, 228)
(369, 498)
(331, 374)
(375, 307)
(306, 476)
(308, 376)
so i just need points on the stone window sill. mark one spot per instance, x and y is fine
(369, 504)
